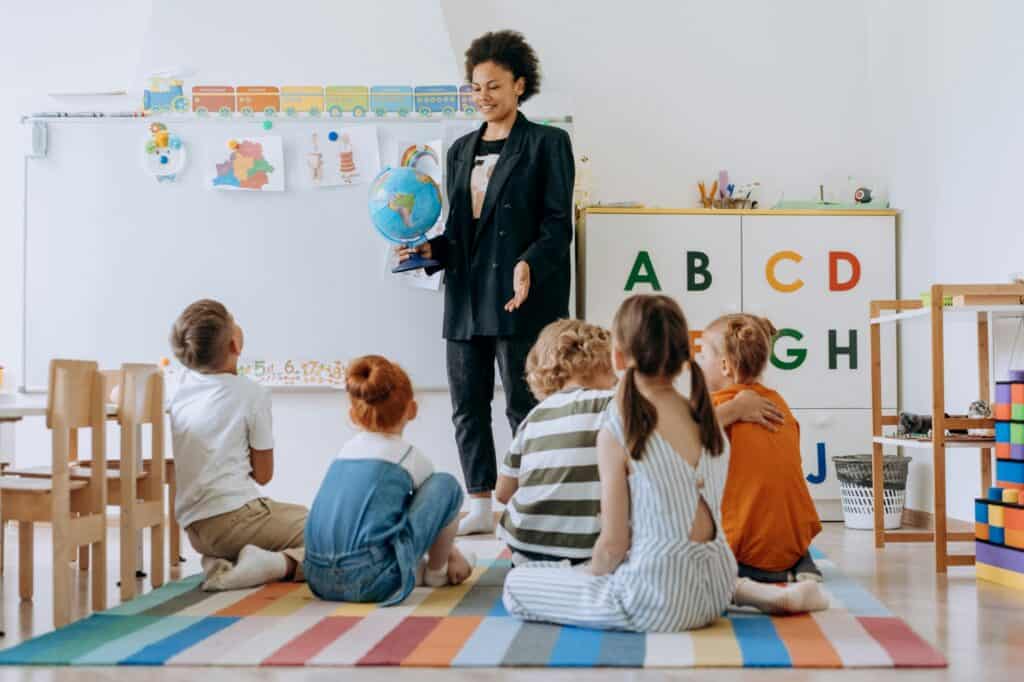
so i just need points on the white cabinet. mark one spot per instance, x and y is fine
(813, 277)
(694, 259)
(812, 273)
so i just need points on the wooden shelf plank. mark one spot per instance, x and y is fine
(960, 559)
(927, 444)
(997, 310)
(912, 535)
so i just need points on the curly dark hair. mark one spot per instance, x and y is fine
(510, 50)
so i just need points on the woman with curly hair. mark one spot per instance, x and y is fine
(505, 252)
(548, 479)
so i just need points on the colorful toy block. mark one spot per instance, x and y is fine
(1003, 565)
(1009, 474)
(999, 535)
(1004, 400)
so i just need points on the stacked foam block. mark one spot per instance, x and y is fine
(999, 537)
(999, 518)
(1009, 414)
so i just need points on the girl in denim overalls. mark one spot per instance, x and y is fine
(381, 508)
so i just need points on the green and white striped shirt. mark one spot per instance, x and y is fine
(556, 510)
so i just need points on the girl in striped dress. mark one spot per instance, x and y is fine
(661, 562)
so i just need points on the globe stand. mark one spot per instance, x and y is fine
(415, 262)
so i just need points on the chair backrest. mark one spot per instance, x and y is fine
(75, 400)
(142, 395)
(142, 402)
(75, 397)
(111, 380)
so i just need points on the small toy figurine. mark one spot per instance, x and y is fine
(862, 195)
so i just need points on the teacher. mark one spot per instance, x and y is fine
(505, 252)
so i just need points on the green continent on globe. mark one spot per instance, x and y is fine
(400, 200)
(402, 204)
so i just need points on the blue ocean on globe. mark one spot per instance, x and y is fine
(404, 204)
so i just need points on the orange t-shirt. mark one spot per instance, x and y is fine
(767, 513)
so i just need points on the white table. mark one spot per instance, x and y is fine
(16, 406)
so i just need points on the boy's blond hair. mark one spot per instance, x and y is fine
(566, 349)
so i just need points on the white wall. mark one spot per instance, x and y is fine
(668, 92)
(947, 100)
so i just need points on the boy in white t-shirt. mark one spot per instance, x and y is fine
(223, 447)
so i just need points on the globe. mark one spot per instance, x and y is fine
(404, 204)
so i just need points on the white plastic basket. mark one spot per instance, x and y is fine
(858, 511)
(854, 474)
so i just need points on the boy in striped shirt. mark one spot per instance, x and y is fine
(548, 479)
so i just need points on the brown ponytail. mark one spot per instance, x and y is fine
(639, 418)
(652, 332)
(704, 411)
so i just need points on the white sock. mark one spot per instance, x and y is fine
(213, 565)
(480, 518)
(256, 566)
(436, 578)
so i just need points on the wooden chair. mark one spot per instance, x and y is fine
(76, 509)
(140, 402)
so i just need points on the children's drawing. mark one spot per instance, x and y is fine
(315, 161)
(350, 156)
(254, 163)
(426, 158)
(165, 154)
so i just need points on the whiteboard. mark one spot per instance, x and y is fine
(112, 256)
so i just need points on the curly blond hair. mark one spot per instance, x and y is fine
(567, 349)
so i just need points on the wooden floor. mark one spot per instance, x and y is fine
(979, 627)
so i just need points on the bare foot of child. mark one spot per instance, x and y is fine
(794, 598)
(460, 567)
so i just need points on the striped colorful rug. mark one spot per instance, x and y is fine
(284, 625)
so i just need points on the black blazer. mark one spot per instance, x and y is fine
(526, 215)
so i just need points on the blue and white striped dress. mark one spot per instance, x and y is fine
(667, 583)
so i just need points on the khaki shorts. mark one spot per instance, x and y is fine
(274, 526)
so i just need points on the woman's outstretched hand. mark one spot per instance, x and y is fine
(520, 286)
(405, 253)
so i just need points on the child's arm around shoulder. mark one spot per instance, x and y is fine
(748, 406)
(614, 541)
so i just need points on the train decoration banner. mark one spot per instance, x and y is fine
(168, 96)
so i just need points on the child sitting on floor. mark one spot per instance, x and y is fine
(661, 562)
(381, 507)
(223, 447)
(767, 512)
(548, 479)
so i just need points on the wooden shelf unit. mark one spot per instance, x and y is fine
(897, 311)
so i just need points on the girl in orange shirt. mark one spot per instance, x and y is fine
(767, 513)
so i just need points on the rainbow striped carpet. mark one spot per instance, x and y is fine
(284, 625)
